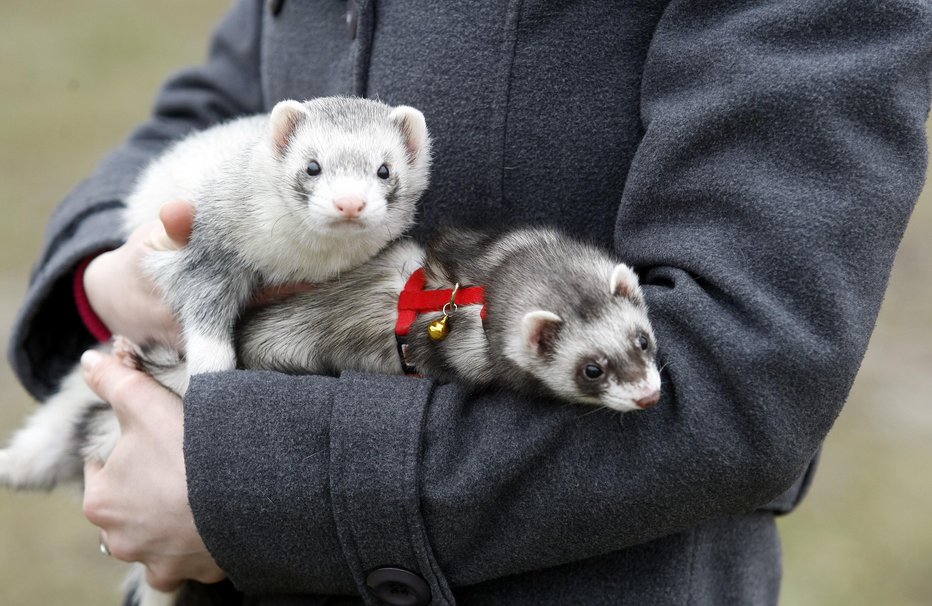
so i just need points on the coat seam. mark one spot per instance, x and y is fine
(345, 529)
(365, 32)
(689, 598)
(414, 506)
(510, 47)
(260, 54)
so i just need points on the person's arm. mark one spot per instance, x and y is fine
(783, 152)
(48, 335)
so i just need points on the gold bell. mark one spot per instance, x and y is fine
(438, 329)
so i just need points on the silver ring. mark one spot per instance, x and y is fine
(103, 547)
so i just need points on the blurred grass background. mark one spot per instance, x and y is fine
(77, 76)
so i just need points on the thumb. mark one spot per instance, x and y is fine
(126, 389)
(174, 230)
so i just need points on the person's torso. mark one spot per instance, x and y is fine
(533, 106)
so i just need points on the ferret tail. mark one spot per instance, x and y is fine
(46, 451)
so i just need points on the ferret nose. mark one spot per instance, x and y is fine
(649, 400)
(349, 207)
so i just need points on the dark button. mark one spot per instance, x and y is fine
(398, 587)
(275, 6)
(352, 18)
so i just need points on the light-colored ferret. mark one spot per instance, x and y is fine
(302, 194)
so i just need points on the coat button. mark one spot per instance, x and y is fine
(352, 19)
(275, 6)
(398, 587)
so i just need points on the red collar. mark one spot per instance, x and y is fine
(414, 300)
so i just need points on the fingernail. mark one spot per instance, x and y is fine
(90, 359)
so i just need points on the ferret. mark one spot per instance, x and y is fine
(563, 320)
(303, 194)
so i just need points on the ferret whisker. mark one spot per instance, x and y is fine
(596, 410)
(275, 225)
(302, 219)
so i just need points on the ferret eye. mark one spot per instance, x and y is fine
(643, 342)
(593, 371)
(313, 168)
(383, 172)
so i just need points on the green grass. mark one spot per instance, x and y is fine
(78, 75)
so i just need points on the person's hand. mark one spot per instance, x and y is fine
(122, 294)
(139, 497)
(126, 299)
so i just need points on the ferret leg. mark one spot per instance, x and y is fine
(208, 291)
(208, 321)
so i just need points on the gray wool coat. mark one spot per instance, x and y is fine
(756, 161)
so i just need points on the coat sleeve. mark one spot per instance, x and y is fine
(48, 335)
(783, 151)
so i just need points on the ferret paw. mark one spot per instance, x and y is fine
(209, 354)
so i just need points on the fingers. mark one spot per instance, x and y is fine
(178, 219)
(94, 508)
(167, 576)
(126, 389)
(159, 580)
(174, 230)
(98, 507)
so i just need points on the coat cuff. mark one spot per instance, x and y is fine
(317, 515)
(375, 456)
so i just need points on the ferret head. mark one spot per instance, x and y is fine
(603, 354)
(350, 167)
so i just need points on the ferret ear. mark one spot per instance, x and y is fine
(285, 118)
(539, 331)
(414, 129)
(625, 282)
